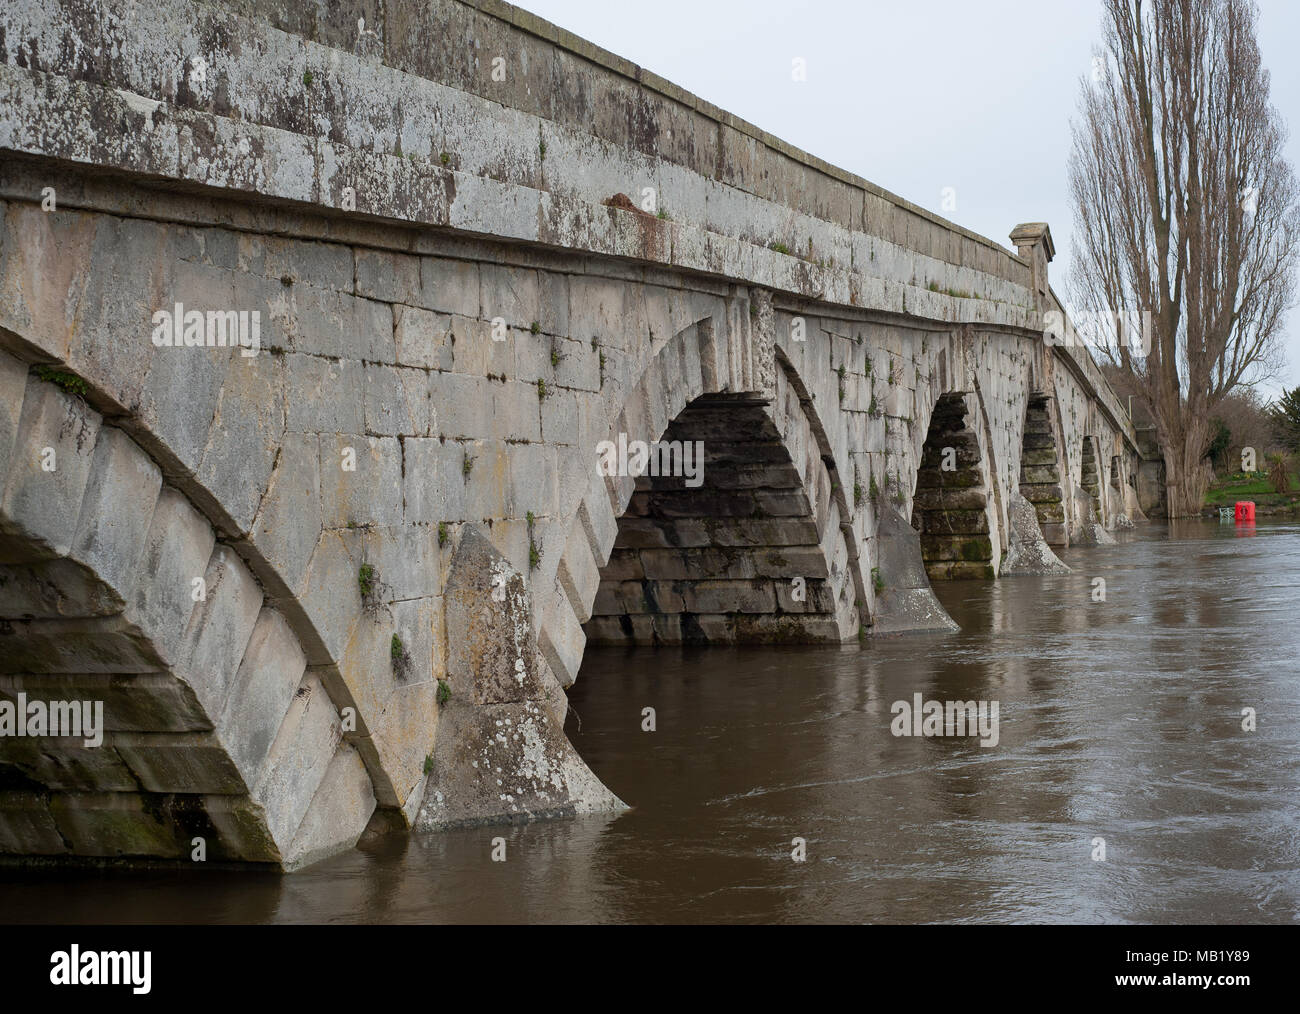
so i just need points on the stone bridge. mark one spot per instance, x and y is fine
(338, 577)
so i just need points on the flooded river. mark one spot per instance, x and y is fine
(1118, 720)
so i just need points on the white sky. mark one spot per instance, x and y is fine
(914, 96)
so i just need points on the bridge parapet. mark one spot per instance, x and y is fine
(402, 120)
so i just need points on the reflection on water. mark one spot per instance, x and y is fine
(1119, 719)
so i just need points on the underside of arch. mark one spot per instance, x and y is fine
(1040, 471)
(1090, 475)
(950, 508)
(743, 552)
(200, 731)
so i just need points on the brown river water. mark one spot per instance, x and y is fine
(1118, 719)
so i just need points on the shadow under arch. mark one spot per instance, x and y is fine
(1090, 475)
(751, 544)
(950, 506)
(1040, 470)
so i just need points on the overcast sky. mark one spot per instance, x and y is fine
(917, 96)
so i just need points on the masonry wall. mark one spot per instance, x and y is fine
(461, 295)
(406, 114)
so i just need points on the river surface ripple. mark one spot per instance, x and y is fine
(1119, 720)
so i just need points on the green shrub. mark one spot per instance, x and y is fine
(70, 382)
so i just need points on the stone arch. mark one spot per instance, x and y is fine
(254, 443)
(214, 726)
(714, 558)
(1040, 470)
(1123, 490)
(1115, 487)
(1090, 475)
(950, 506)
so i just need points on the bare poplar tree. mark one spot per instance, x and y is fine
(1186, 209)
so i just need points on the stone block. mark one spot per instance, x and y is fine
(27, 826)
(55, 589)
(288, 521)
(370, 493)
(404, 740)
(501, 762)
(324, 265)
(39, 259)
(434, 481)
(338, 813)
(721, 596)
(298, 759)
(330, 595)
(176, 552)
(423, 337)
(325, 395)
(219, 629)
(118, 825)
(66, 764)
(559, 418)
(133, 702)
(905, 602)
(116, 510)
(532, 480)
(450, 286)
(493, 657)
(407, 557)
(13, 384)
(186, 762)
(487, 483)
(517, 412)
(260, 694)
(464, 404)
(50, 467)
(578, 571)
(472, 346)
(387, 276)
(1028, 551)
(95, 645)
(179, 400)
(562, 640)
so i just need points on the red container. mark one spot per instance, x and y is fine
(1245, 510)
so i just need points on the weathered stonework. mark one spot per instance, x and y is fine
(501, 752)
(1040, 475)
(456, 310)
(1028, 552)
(951, 509)
(215, 728)
(905, 602)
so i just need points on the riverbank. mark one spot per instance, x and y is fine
(1256, 487)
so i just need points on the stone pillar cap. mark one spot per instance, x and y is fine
(1030, 233)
